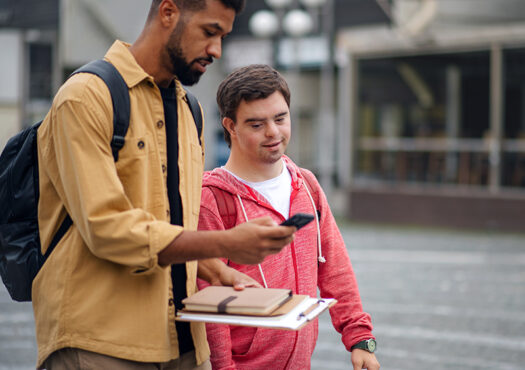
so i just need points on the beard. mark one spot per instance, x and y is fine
(180, 67)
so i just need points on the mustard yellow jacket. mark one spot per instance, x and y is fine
(102, 289)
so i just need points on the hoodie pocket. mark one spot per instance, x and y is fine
(263, 348)
(243, 340)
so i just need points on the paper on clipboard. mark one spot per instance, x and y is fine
(295, 318)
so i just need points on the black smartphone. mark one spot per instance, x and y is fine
(298, 220)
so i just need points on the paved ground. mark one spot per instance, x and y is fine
(439, 299)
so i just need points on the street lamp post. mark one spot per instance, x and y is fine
(326, 132)
(287, 18)
(284, 20)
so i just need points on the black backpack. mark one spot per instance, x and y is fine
(20, 250)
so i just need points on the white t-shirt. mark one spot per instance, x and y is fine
(277, 190)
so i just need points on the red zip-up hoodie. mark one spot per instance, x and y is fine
(296, 267)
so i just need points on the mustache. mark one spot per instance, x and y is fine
(204, 59)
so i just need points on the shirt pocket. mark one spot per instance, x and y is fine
(136, 168)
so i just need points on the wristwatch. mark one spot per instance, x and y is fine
(368, 345)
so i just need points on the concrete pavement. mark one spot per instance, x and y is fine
(439, 299)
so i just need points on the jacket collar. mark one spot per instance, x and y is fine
(120, 56)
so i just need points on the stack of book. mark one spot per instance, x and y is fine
(271, 308)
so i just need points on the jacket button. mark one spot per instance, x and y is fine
(160, 124)
(141, 144)
(164, 168)
(170, 302)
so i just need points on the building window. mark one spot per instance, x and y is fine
(426, 119)
(40, 71)
(513, 170)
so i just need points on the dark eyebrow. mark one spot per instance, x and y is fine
(256, 119)
(217, 26)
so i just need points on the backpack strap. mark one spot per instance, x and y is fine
(121, 108)
(225, 205)
(195, 112)
(119, 96)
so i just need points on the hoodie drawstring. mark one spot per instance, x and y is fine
(320, 258)
(246, 219)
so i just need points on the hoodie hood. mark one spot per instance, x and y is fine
(222, 179)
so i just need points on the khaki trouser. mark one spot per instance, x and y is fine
(78, 359)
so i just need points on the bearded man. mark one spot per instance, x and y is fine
(107, 295)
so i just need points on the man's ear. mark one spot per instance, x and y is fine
(229, 125)
(168, 13)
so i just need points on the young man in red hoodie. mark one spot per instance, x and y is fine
(259, 180)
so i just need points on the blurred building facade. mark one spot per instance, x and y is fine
(43, 41)
(408, 110)
(437, 114)
(25, 37)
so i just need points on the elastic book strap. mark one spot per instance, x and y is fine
(221, 307)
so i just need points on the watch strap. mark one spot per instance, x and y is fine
(365, 344)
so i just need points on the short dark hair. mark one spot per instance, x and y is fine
(253, 82)
(196, 5)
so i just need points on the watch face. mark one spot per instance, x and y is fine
(371, 345)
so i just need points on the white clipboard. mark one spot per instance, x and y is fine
(295, 318)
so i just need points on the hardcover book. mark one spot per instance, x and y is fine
(250, 301)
